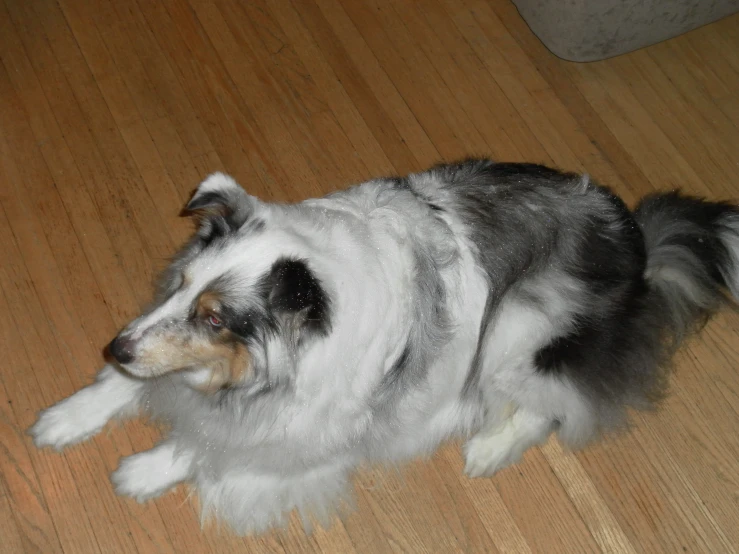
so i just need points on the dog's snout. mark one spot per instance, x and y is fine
(121, 348)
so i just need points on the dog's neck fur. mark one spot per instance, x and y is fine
(403, 256)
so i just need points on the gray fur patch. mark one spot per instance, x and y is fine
(430, 332)
(514, 213)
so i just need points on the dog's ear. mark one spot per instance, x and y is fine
(299, 309)
(297, 299)
(221, 204)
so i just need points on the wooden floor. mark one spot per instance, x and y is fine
(111, 113)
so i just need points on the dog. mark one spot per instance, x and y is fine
(494, 302)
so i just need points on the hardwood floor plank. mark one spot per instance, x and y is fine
(25, 514)
(111, 113)
(366, 146)
(54, 472)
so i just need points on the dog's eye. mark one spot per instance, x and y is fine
(214, 321)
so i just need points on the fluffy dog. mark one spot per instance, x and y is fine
(497, 302)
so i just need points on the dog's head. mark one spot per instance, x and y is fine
(241, 296)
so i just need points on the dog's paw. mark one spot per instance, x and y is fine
(64, 424)
(140, 477)
(149, 474)
(485, 455)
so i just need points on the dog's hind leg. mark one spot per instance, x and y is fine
(148, 474)
(86, 412)
(503, 442)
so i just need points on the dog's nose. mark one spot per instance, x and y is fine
(121, 348)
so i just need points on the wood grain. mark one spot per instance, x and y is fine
(111, 113)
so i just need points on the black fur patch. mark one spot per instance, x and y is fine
(594, 349)
(294, 291)
(243, 323)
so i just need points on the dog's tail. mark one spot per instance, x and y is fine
(692, 256)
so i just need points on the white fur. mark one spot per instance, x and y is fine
(148, 474)
(218, 182)
(86, 412)
(501, 445)
(254, 502)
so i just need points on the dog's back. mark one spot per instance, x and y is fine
(586, 299)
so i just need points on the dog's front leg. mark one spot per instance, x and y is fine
(86, 412)
(148, 474)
